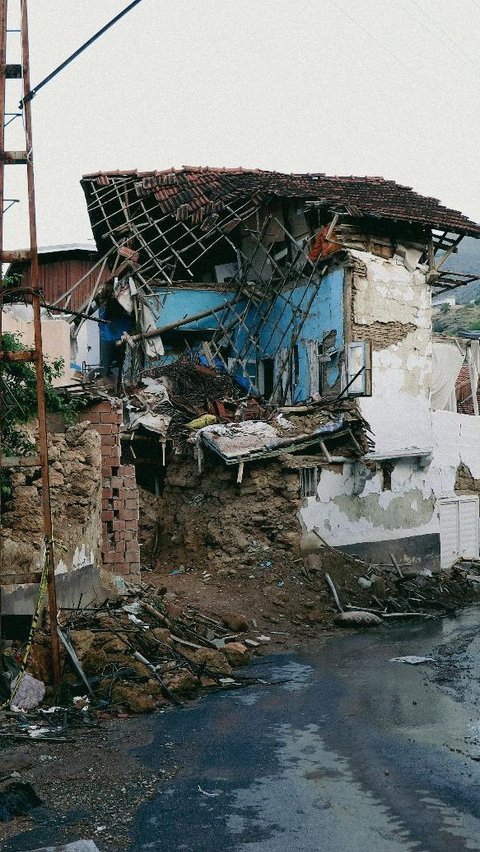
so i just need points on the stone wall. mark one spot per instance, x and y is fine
(75, 479)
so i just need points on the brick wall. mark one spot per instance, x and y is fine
(120, 547)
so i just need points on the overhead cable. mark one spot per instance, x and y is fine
(31, 94)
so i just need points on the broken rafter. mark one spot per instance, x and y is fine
(155, 332)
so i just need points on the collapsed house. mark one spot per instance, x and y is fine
(309, 298)
(268, 375)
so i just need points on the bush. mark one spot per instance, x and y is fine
(18, 386)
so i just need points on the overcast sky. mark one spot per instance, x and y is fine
(376, 87)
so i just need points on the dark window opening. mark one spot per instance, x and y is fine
(387, 469)
(265, 377)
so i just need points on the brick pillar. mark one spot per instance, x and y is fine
(120, 547)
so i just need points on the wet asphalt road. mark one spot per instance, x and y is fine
(353, 752)
(348, 751)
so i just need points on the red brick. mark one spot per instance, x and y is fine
(110, 456)
(103, 428)
(131, 503)
(109, 441)
(107, 493)
(120, 547)
(127, 470)
(108, 557)
(132, 525)
(118, 525)
(128, 535)
(116, 482)
(107, 515)
(128, 515)
(112, 417)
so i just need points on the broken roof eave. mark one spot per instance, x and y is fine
(283, 446)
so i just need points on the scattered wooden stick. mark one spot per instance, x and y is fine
(338, 552)
(156, 614)
(169, 694)
(333, 590)
(406, 615)
(397, 566)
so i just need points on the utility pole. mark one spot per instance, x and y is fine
(25, 158)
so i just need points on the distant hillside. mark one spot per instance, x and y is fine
(467, 260)
(455, 319)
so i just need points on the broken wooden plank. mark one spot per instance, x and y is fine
(20, 461)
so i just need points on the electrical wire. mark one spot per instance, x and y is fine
(424, 77)
(31, 94)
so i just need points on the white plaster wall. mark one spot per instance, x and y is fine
(55, 339)
(400, 416)
(399, 409)
(411, 507)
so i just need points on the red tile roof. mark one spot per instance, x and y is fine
(197, 191)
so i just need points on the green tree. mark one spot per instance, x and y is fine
(18, 387)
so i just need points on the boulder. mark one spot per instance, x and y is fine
(357, 618)
(82, 641)
(162, 634)
(237, 654)
(136, 697)
(182, 682)
(236, 621)
(212, 662)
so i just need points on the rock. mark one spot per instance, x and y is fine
(208, 681)
(237, 654)
(82, 641)
(357, 618)
(163, 635)
(172, 610)
(137, 697)
(236, 621)
(94, 661)
(182, 682)
(213, 662)
(364, 583)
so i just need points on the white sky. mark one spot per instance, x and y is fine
(379, 87)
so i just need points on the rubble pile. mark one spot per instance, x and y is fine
(394, 592)
(138, 655)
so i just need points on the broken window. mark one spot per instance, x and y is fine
(309, 479)
(359, 368)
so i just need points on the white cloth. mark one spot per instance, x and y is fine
(448, 359)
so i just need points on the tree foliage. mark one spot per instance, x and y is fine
(18, 387)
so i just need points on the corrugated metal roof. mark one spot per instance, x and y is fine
(200, 191)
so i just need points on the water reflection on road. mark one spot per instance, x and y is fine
(351, 752)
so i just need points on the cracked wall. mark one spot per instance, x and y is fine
(391, 307)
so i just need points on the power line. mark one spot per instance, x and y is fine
(31, 94)
(393, 57)
(439, 31)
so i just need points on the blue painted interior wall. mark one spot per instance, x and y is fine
(171, 305)
(325, 314)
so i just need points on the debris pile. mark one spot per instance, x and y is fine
(137, 655)
(394, 592)
(187, 402)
